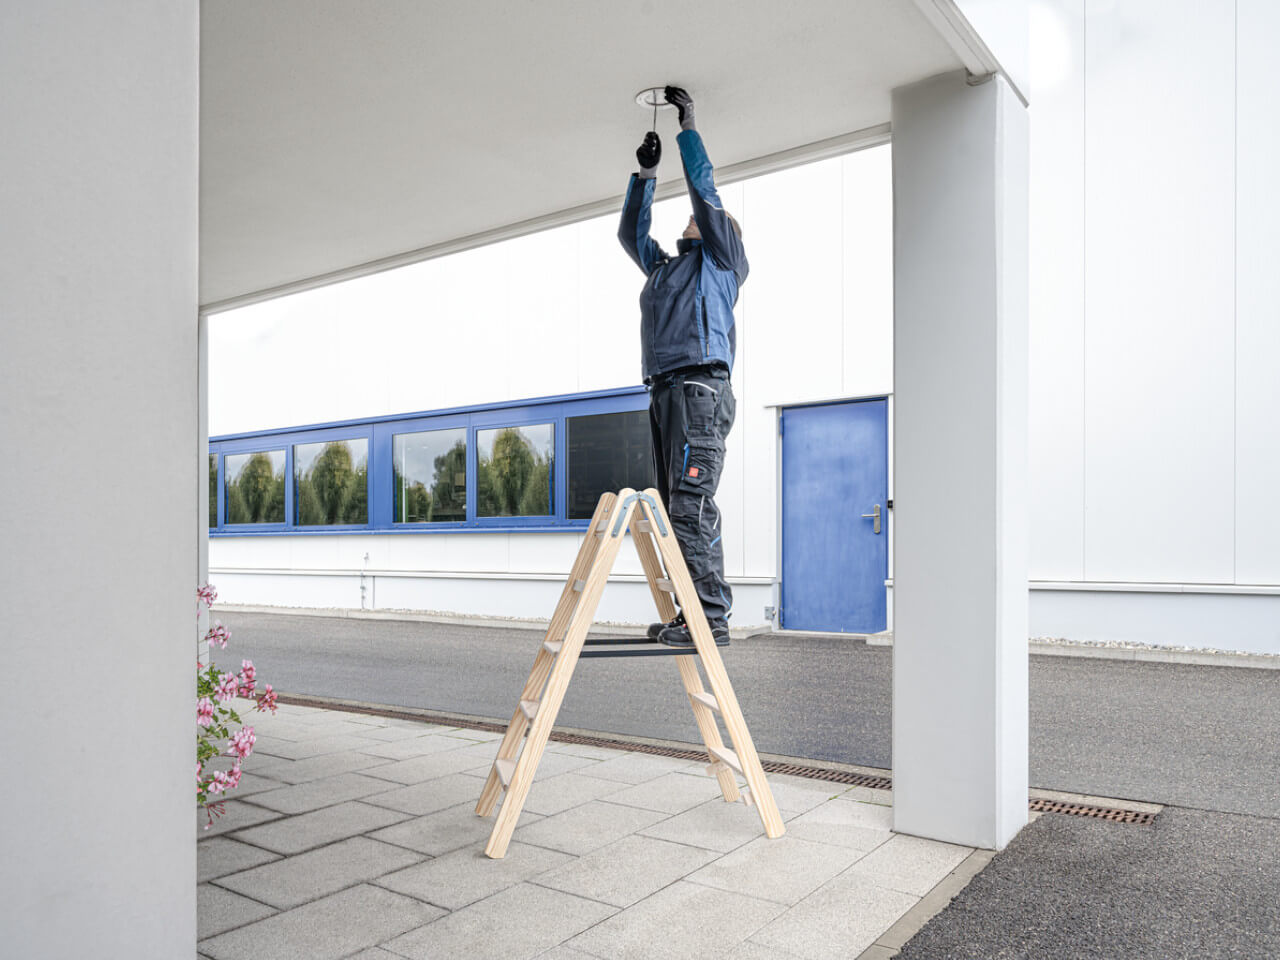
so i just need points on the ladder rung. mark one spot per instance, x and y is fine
(644, 526)
(529, 708)
(747, 798)
(578, 585)
(505, 768)
(725, 755)
(707, 700)
(552, 646)
(717, 768)
(665, 584)
(600, 531)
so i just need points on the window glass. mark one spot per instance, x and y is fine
(255, 487)
(607, 452)
(213, 490)
(515, 467)
(331, 482)
(430, 476)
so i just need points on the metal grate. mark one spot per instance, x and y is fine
(1139, 817)
(826, 774)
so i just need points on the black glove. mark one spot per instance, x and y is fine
(679, 98)
(648, 154)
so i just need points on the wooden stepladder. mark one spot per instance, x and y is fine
(521, 749)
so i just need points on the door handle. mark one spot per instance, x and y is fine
(875, 514)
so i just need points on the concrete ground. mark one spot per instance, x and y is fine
(355, 836)
(1203, 737)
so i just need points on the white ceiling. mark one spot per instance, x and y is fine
(335, 133)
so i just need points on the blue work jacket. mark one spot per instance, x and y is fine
(686, 307)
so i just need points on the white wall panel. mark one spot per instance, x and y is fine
(1258, 295)
(1159, 349)
(867, 238)
(608, 322)
(1056, 347)
(538, 294)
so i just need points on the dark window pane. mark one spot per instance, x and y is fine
(331, 482)
(255, 487)
(515, 467)
(430, 476)
(607, 452)
(213, 490)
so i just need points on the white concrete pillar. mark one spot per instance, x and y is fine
(98, 420)
(960, 399)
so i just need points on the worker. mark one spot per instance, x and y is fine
(687, 342)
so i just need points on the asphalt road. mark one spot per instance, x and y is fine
(1202, 737)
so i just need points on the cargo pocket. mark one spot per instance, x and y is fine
(700, 404)
(704, 457)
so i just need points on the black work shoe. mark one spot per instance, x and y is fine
(679, 636)
(655, 629)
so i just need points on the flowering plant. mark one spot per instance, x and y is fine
(214, 713)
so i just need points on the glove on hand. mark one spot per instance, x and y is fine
(679, 98)
(648, 154)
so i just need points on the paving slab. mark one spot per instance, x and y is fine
(478, 736)
(219, 856)
(715, 825)
(376, 953)
(582, 750)
(587, 827)
(251, 783)
(785, 870)
(796, 795)
(429, 767)
(219, 910)
(554, 764)
(315, 794)
(314, 747)
(287, 772)
(431, 795)
(627, 870)
(680, 921)
(636, 767)
(445, 830)
(237, 814)
(842, 823)
(670, 793)
(565, 953)
(839, 920)
(754, 951)
(910, 864)
(559, 793)
(327, 929)
(467, 875)
(516, 924)
(309, 876)
(293, 835)
(390, 732)
(406, 748)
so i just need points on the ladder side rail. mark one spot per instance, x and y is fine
(544, 661)
(561, 673)
(689, 676)
(709, 653)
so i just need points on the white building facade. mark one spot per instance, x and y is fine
(1153, 344)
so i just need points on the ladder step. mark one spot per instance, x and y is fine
(644, 526)
(529, 708)
(578, 585)
(552, 646)
(707, 700)
(505, 768)
(665, 585)
(747, 798)
(715, 769)
(725, 755)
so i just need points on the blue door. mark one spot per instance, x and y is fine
(835, 535)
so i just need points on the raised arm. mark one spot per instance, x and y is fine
(633, 231)
(719, 236)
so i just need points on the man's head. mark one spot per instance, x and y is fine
(691, 231)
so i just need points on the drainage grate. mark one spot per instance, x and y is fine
(1098, 813)
(845, 777)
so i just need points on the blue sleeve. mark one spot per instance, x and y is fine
(718, 236)
(633, 231)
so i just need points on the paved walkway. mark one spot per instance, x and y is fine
(355, 836)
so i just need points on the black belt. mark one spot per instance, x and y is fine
(716, 370)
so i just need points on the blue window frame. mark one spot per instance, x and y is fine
(380, 433)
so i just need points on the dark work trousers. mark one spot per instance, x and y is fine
(690, 413)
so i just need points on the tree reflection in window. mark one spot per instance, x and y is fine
(515, 466)
(331, 482)
(213, 490)
(255, 487)
(430, 476)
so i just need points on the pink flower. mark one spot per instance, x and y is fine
(220, 782)
(242, 743)
(207, 594)
(204, 712)
(247, 678)
(233, 778)
(199, 770)
(218, 635)
(267, 699)
(226, 688)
